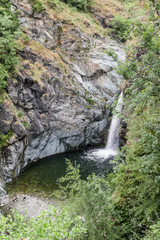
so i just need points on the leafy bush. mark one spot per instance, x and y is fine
(80, 4)
(37, 5)
(49, 225)
(70, 184)
(3, 76)
(56, 4)
(121, 28)
(8, 33)
(154, 232)
(92, 200)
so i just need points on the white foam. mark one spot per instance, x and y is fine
(113, 137)
(105, 153)
(100, 154)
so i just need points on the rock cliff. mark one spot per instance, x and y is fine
(58, 100)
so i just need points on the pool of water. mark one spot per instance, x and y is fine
(41, 178)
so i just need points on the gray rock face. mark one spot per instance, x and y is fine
(96, 73)
(2, 192)
(3, 196)
(59, 99)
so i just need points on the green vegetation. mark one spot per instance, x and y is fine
(4, 138)
(20, 114)
(137, 179)
(8, 33)
(26, 125)
(37, 6)
(121, 28)
(154, 232)
(90, 199)
(90, 100)
(111, 53)
(49, 225)
(79, 4)
(56, 4)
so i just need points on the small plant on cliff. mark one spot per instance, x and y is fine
(4, 138)
(26, 125)
(90, 100)
(111, 53)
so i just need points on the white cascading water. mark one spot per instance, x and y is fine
(113, 137)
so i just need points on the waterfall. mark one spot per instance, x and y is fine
(113, 137)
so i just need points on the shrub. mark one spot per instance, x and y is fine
(80, 4)
(3, 76)
(49, 225)
(121, 28)
(154, 232)
(37, 5)
(91, 199)
(8, 33)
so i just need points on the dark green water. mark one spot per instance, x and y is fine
(40, 179)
